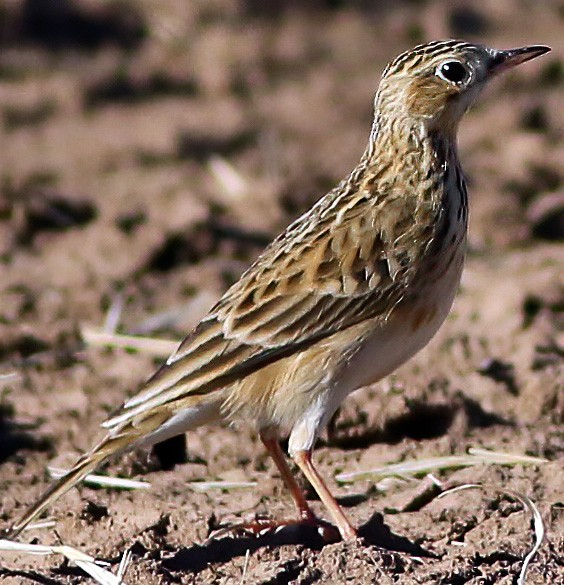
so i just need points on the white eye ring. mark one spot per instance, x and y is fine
(453, 71)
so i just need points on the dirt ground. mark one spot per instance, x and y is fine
(149, 150)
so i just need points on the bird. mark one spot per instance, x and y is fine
(351, 289)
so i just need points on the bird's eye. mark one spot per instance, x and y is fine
(453, 72)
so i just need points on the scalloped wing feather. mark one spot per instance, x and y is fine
(326, 272)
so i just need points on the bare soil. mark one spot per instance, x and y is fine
(115, 120)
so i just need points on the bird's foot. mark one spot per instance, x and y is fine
(261, 527)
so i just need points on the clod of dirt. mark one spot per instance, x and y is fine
(535, 119)
(200, 147)
(22, 346)
(180, 248)
(16, 116)
(15, 437)
(57, 24)
(532, 306)
(546, 216)
(553, 306)
(34, 209)
(500, 372)
(547, 356)
(552, 73)
(201, 241)
(51, 211)
(94, 512)
(171, 452)
(541, 179)
(129, 222)
(121, 86)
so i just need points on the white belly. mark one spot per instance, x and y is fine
(391, 343)
(405, 333)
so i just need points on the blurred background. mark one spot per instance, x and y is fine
(139, 138)
(150, 149)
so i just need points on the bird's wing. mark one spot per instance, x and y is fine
(339, 264)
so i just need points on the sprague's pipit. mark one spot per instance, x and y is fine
(351, 290)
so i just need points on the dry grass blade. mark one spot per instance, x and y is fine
(421, 467)
(157, 347)
(87, 563)
(40, 525)
(417, 468)
(124, 564)
(505, 458)
(184, 316)
(10, 377)
(245, 566)
(227, 177)
(539, 536)
(113, 315)
(538, 523)
(106, 481)
(204, 486)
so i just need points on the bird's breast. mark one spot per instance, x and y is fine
(410, 326)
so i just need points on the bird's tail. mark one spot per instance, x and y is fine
(111, 444)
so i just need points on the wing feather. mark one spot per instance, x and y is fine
(317, 278)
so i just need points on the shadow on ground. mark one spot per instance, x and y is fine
(198, 557)
(15, 437)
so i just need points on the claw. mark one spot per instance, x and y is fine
(262, 527)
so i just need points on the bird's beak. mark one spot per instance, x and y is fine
(503, 60)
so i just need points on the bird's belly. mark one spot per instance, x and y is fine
(408, 329)
(389, 346)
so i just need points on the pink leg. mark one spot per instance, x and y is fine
(305, 515)
(303, 460)
(288, 478)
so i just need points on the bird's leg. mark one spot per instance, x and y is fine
(306, 517)
(303, 460)
(274, 450)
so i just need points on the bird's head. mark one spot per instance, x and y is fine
(436, 82)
